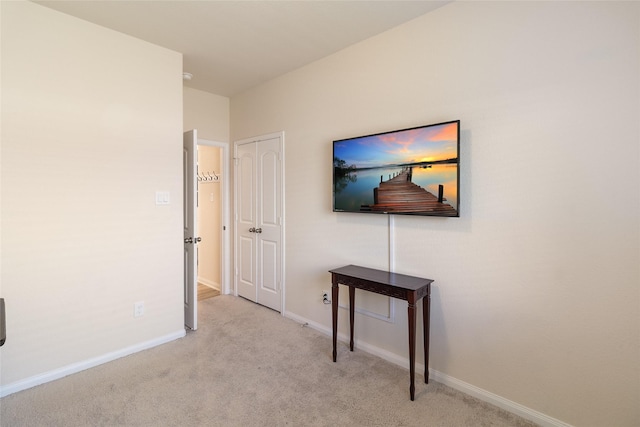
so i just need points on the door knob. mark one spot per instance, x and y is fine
(258, 230)
(252, 230)
(198, 239)
(188, 240)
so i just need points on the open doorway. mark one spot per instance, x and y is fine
(219, 256)
(211, 206)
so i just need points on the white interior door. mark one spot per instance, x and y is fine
(189, 157)
(269, 218)
(259, 220)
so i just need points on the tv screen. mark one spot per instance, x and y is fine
(410, 171)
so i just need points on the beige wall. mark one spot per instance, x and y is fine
(536, 298)
(208, 113)
(91, 129)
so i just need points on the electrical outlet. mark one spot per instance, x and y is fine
(138, 309)
(325, 297)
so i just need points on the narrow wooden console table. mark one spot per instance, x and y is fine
(408, 288)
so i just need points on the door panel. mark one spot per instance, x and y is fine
(245, 212)
(269, 221)
(247, 267)
(269, 290)
(268, 188)
(189, 144)
(269, 267)
(247, 183)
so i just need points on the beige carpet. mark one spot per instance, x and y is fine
(246, 366)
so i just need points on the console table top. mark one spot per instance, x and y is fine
(403, 281)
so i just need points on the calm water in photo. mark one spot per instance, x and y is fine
(357, 189)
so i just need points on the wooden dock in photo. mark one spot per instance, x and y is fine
(398, 194)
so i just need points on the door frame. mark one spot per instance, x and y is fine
(282, 219)
(224, 241)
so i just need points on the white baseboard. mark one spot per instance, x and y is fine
(471, 390)
(86, 364)
(499, 401)
(210, 283)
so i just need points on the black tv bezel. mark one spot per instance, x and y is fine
(420, 214)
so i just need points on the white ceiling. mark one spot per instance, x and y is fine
(230, 46)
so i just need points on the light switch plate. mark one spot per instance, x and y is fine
(162, 198)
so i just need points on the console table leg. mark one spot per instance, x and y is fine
(426, 313)
(412, 347)
(334, 316)
(352, 300)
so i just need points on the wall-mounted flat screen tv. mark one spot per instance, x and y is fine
(412, 171)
